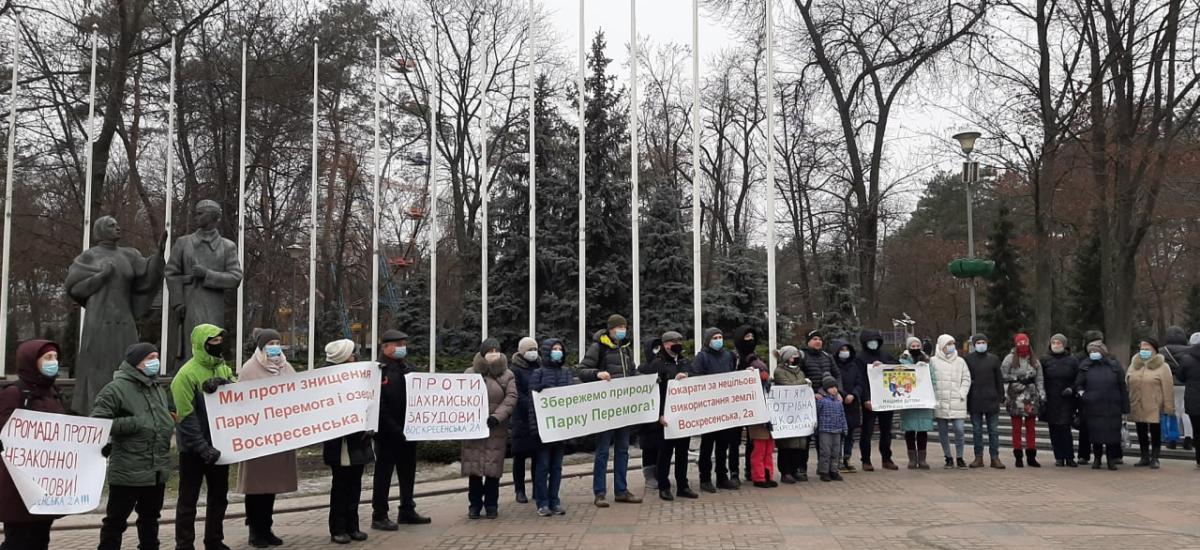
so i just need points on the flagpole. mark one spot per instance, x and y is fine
(634, 211)
(375, 210)
(582, 191)
(697, 310)
(434, 105)
(532, 188)
(91, 146)
(241, 300)
(312, 231)
(169, 179)
(483, 193)
(8, 191)
(771, 332)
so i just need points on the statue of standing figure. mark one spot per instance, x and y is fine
(202, 267)
(117, 286)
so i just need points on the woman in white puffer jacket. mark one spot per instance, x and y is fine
(952, 382)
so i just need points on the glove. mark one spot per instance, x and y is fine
(1068, 392)
(1, 446)
(210, 455)
(106, 450)
(212, 384)
(492, 422)
(770, 427)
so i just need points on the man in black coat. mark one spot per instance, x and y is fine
(713, 358)
(1085, 442)
(871, 353)
(853, 380)
(670, 364)
(983, 400)
(392, 451)
(1189, 376)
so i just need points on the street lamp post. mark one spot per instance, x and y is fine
(970, 176)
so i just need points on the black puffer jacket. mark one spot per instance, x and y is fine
(1059, 372)
(615, 358)
(1174, 350)
(666, 368)
(853, 380)
(711, 361)
(817, 365)
(987, 384)
(522, 440)
(867, 356)
(1189, 375)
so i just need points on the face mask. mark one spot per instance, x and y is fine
(675, 348)
(981, 348)
(215, 350)
(843, 355)
(556, 355)
(620, 335)
(531, 356)
(492, 356)
(49, 368)
(1145, 354)
(718, 344)
(273, 350)
(152, 366)
(1095, 355)
(951, 350)
(1056, 349)
(400, 352)
(873, 345)
(746, 347)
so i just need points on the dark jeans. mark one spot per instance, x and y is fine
(547, 475)
(725, 445)
(1113, 451)
(884, 419)
(618, 439)
(484, 492)
(848, 443)
(1060, 441)
(260, 512)
(399, 457)
(1195, 418)
(993, 432)
(344, 496)
(518, 470)
(124, 500)
(26, 536)
(678, 450)
(1149, 443)
(192, 473)
(651, 439)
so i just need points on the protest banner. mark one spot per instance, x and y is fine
(793, 411)
(898, 387)
(55, 460)
(445, 406)
(714, 402)
(583, 409)
(262, 417)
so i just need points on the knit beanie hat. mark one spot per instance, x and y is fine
(828, 382)
(616, 320)
(135, 353)
(527, 344)
(1153, 343)
(264, 335)
(1060, 338)
(1093, 335)
(978, 337)
(339, 351)
(812, 334)
(1097, 346)
(786, 353)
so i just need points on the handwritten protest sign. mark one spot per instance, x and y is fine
(575, 411)
(445, 406)
(55, 461)
(793, 411)
(272, 415)
(897, 387)
(714, 402)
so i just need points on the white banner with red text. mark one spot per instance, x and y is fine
(573, 411)
(445, 407)
(55, 460)
(272, 415)
(703, 404)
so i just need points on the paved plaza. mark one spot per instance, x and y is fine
(1059, 508)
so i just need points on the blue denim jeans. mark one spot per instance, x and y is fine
(547, 475)
(993, 429)
(944, 425)
(619, 440)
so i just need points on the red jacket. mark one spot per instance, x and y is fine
(43, 396)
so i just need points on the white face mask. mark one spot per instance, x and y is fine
(873, 345)
(843, 355)
(981, 348)
(531, 355)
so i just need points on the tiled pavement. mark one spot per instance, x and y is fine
(1056, 508)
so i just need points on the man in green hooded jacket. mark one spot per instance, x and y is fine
(203, 373)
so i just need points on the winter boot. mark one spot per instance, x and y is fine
(1096, 463)
(1145, 460)
(651, 475)
(949, 464)
(1154, 460)
(996, 463)
(1019, 457)
(912, 459)
(1187, 443)
(978, 462)
(962, 464)
(846, 467)
(921, 464)
(1031, 458)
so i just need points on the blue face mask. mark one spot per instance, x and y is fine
(401, 352)
(1095, 355)
(556, 355)
(1145, 354)
(981, 348)
(152, 367)
(718, 344)
(49, 368)
(620, 335)
(273, 350)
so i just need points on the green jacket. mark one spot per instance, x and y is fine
(187, 391)
(141, 430)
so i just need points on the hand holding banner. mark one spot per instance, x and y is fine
(898, 387)
(55, 460)
(793, 411)
(704, 404)
(445, 406)
(583, 409)
(262, 417)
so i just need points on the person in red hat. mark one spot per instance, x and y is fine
(1025, 394)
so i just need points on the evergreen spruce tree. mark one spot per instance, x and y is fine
(666, 262)
(738, 297)
(1085, 295)
(1007, 312)
(1191, 310)
(839, 319)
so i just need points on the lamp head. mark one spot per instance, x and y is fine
(967, 140)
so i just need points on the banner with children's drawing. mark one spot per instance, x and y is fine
(898, 387)
(55, 460)
(793, 411)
